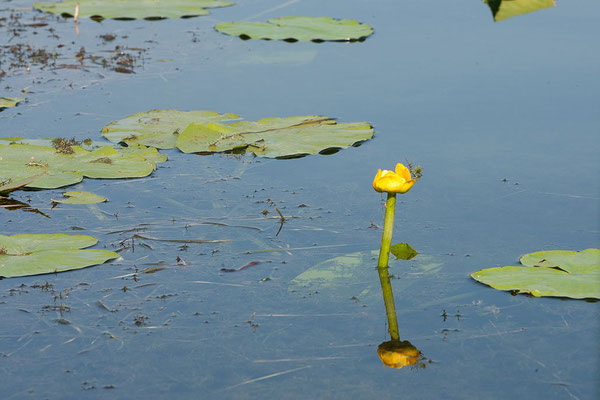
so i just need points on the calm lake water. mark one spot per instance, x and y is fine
(503, 117)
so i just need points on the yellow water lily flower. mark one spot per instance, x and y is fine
(393, 182)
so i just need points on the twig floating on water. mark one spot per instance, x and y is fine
(251, 263)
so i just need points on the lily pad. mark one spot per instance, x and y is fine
(504, 9)
(403, 251)
(132, 9)
(305, 29)
(8, 102)
(80, 198)
(355, 275)
(207, 132)
(34, 254)
(556, 273)
(275, 137)
(8, 185)
(158, 128)
(65, 167)
(65, 146)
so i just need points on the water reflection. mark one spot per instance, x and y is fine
(12, 204)
(398, 354)
(395, 353)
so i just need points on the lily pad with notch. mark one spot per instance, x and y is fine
(34, 254)
(299, 28)
(211, 132)
(132, 9)
(275, 137)
(555, 273)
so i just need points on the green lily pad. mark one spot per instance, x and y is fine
(65, 146)
(355, 275)
(68, 165)
(8, 185)
(299, 29)
(132, 9)
(80, 198)
(8, 102)
(504, 9)
(207, 132)
(34, 254)
(403, 251)
(158, 128)
(556, 273)
(274, 137)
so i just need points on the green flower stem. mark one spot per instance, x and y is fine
(388, 227)
(388, 298)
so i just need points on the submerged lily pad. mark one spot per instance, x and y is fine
(504, 9)
(207, 132)
(158, 128)
(132, 9)
(556, 273)
(275, 137)
(299, 29)
(355, 275)
(34, 254)
(80, 198)
(68, 165)
(8, 102)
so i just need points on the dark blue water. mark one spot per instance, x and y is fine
(472, 101)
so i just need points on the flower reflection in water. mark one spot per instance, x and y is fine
(398, 354)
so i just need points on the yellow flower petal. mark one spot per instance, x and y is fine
(393, 182)
(403, 171)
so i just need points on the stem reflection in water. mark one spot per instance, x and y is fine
(394, 353)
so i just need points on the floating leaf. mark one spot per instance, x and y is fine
(274, 137)
(34, 254)
(132, 9)
(299, 29)
(355, 275)
(556, 273)
(19, 161)
(8, 102)
(80, 198)
(158, 128)
(504, 9)
(403, 251)
(8, 185)
(207, 132)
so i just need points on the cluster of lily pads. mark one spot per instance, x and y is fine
(286, 28)
(293, 28)
(54, 163)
